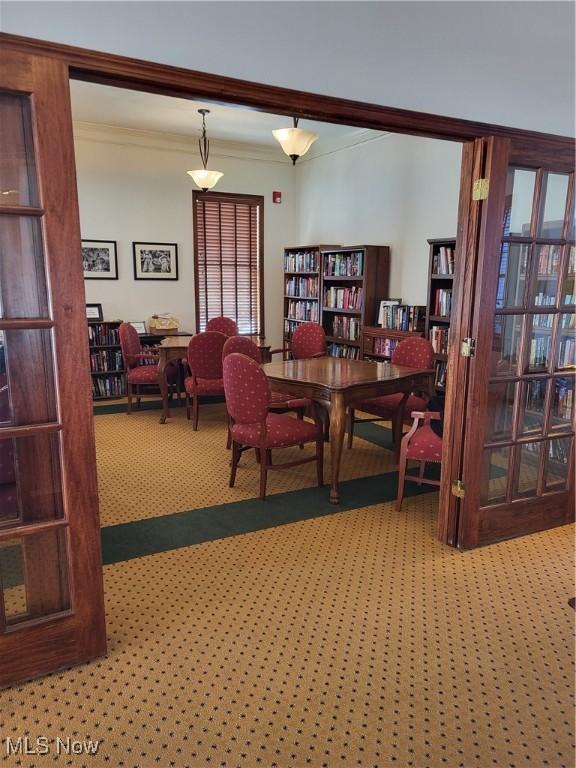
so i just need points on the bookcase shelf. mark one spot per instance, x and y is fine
(379, 343)
(106, 364)
(358, 275)
(441, 270)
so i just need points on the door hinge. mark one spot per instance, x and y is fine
(468, 347)
(480, 189)
(458, 489)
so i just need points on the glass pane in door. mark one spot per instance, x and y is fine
(546, 274)
(562, 408)
(519, 198)
(17, 163)
(26, 359)
(553, 205)
(528, 462)
(23, 290)
(512, 275)
(566, 340)
(500, 411)
(569, 282)
(533, 405)
(495, 467)
(34, 576)
(539, 341)
(506, 344)
(557, 464)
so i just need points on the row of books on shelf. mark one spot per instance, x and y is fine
(343, 298)
(539, 352)
(106, 360)
(443, 261)
(543, 299)
(383, 346)
(108, 386)
(101, 333)
(303, 310)
(443, 302)
(346, 327)
(564, 400)
(303, 287)
(289, 327)
(566, 356)
(302, 261)
(400, 317)
(439, 339)
(344, 264)
(343, 350)
(440, 375)
(548, 260)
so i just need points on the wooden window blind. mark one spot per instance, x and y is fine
(228, 259)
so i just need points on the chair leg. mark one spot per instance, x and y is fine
(229, 437)
(350, 427)
(234, 463)
(266, 459)
(326, 426)
(401, 474)
(138, 399)
(129, 393)
(258, 456)
(320, 461)
(300, 415)
(397, 423)
(421, 472)
(195, 413)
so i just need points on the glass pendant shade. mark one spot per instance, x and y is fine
(205, 179)
(295, 141)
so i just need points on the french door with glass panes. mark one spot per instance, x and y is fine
(519, 440)
(51, 598)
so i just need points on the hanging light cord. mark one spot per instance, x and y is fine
(203, 143)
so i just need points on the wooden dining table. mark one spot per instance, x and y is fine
(174, 348)
(335, 383)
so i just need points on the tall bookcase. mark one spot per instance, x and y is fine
(106, 365)
(438, 311)
(354, 280)
(302, 287)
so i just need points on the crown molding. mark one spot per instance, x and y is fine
(174, 142)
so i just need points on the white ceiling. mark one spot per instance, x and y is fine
(106, 105)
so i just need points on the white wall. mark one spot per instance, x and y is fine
(395, 190)
(140, 192)
(510, 63)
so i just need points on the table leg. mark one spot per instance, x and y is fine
(337, 429)
(163, 384)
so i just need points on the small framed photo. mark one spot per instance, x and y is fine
(94, 312)
(139, 325)
(100, 259)
(155, 261)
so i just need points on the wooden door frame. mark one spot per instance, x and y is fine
(135, 74)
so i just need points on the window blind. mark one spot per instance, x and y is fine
(228, 261)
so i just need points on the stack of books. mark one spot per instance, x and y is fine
(106, 360)
(343, 298)
(344, 264)
(303, 287)
(303, 261)
(346, 327)
(400, 317)
(343, 350)
(439, 339)
(303, 310)
(444, 261)
(443, 302)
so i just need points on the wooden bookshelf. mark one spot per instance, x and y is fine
(438, 310)
(302, 287)
(354, 280)
(106, 364)
(379, 343)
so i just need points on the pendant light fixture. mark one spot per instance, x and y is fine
(204, 178)
(295, 141)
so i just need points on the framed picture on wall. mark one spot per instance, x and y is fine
(155, 261)
(100, 259)
(139, 325)
(94, 312)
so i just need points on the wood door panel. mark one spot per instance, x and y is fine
(57, 529)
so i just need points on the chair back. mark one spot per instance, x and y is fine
(414, 352)
(130, 345)
(205, 354)
(224, 325)
(308, 340)
(246, 389)
(244, 346)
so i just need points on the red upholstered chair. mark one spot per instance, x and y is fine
(413, 352)
(224, 325)
(205, 360)
(420, 444)
(138, 371)
(308, 340)
(279, 402)
(253, 426)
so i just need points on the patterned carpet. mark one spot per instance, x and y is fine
(344, 638)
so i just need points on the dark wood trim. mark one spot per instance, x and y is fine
(21, 210)
(111, 69)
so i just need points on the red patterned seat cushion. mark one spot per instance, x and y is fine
(386, 406)
(281, 400)
(148, 374)
(425, 445)
(204, 386)
(281, 432)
